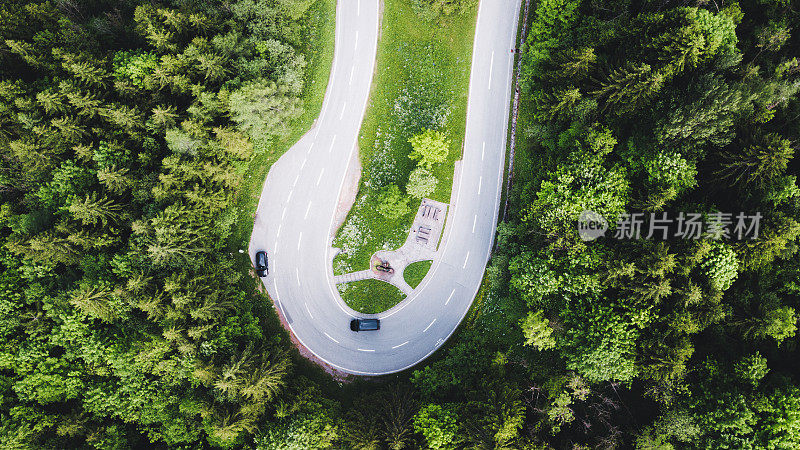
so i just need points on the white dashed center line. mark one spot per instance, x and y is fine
(308, 208)
(429, 325)
(480, 182)
(483, 150)
(309, 148)
(474, 221)
(297, 274)
(309, 312)
(491, 70)
(356, 44)
(352, 71)
(320, 176)
(295, 180)
(333, 141)
(283, 214)
(301, 238)
(366, 350)
(329, 337)
(289, 198)
(465, 261)
(341, 115)
(278, 234)
(398, 346)
(451, 296)
(304, 163)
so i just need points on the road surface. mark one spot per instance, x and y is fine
(294, 221)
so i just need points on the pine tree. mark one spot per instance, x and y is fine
(759, 163)
(115, 179)
(28, 53)
(578, 62)
(212, 66)
(163, 117)
(69, 128)
(51, 101)
(94, 209)
(87, 103)
(95, 302)
(627, 89)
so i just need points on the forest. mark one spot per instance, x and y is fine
(129, 320)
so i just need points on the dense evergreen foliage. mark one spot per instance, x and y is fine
(126, 129)
(126, 321)
(650, 108)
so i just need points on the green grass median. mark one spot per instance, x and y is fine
(421, 83)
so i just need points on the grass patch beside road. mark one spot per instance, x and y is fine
(371, 296)
(415, 272)
(422, 82)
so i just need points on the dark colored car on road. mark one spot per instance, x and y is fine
(262, 264)
(365, 325)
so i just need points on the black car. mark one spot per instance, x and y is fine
(365, 325)
(262, 264)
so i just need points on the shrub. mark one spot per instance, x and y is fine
(430, 147)
(421, 183)
(538, 332)
(392, 204)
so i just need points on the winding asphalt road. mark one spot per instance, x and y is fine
(294, 221)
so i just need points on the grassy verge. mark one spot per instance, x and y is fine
(415, 272)
(422, 82)
(319, 27)
(373, 296)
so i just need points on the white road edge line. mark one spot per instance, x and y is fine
(275, 247)
(295, 180)
(465, 261)
(398, 346)
(289, 198)
(309, 148)
(283, 214)
(451, 296)
(330, 337)
(429, 325)
(352, 71)
(278, 234)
